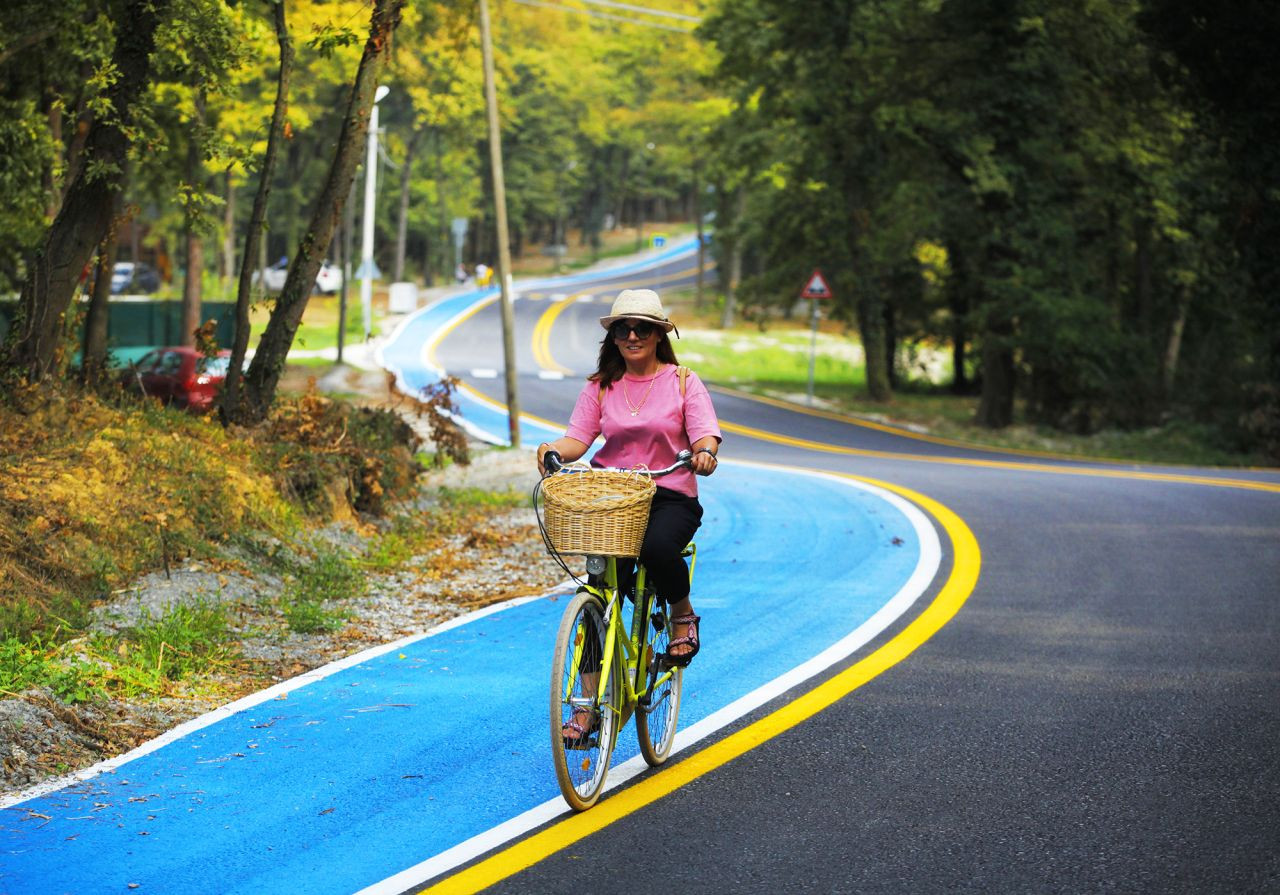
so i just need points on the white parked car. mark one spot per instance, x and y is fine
(328, 280)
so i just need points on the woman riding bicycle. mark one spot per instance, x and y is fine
(649, 409)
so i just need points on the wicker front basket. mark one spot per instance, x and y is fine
(597, 512)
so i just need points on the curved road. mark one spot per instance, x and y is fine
(927, 668)
(1102, 714)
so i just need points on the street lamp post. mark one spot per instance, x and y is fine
(368, 270)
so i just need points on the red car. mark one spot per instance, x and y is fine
(179, 376)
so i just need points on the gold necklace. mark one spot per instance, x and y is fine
(635, 408)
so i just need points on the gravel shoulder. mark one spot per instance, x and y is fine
(498, 555)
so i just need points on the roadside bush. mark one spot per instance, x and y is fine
(325, 453)
(1261, 423)
(92, 495)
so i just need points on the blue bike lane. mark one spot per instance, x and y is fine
(403, 760)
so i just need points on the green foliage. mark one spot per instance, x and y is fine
(472, 498)
(182, 642)
(1055, 153)
(330, 578)
(145, 659)
(28, 664)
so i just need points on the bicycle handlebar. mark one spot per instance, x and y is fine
(553, 463)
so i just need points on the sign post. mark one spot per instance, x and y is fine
(815, 288)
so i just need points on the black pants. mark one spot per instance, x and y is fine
(673, 518)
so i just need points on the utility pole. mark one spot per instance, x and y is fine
(500, 213)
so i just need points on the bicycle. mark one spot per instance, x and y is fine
(609, 662)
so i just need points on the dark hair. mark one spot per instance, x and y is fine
(611, 366)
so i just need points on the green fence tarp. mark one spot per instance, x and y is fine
(132, 323)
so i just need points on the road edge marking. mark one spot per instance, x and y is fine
(960, 583)
(1008, 465)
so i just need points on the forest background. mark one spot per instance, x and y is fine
(1077, 199)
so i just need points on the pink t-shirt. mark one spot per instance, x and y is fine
(665, 424)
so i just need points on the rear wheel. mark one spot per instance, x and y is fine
(659, 686)
(582, 759)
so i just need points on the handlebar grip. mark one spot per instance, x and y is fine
(551, 461)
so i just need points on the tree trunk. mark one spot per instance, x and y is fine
(1142, 263)
(891, 346)
(193, 282)
(253, 242)
(702, 253)
(870, 313)
(94, 361)
(86, 213)
(268, 362)
(995, 409)
(733, 248)
(228, 236)
(402, 225)
(1169, 366)
(192, 288)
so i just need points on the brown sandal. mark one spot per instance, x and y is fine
(582, 738)
(690, 639)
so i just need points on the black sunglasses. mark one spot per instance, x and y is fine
(642, 330)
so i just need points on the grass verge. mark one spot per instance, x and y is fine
(771, 358)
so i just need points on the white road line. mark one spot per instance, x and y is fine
(281, 689)
(925, 571)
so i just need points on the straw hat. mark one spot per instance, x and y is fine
(638, 304)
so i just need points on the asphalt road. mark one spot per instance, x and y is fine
(1101, 715)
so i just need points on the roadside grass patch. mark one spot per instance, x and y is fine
(331, 578)
(410, 535)
(481, 499)
(147, 659)
(778, 359)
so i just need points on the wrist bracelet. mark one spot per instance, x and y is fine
(709, 451)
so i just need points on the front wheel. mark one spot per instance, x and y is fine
(582, 757)
(659, 688)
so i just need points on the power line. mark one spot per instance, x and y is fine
(605, 15)
(646, 10)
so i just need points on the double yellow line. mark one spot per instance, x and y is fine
(959, 585)
(827, 448)
(542, 329)
(542, 334)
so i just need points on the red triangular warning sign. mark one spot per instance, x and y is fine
(817, 287)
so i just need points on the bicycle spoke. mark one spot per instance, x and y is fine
(660, 700)
(583, 715)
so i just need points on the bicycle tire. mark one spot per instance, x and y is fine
(581, 770)
(659, 710)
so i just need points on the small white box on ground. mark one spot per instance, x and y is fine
(403, 298)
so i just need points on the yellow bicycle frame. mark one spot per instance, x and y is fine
(617, 647)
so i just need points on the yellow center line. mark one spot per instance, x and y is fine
(907, 433)
(429, 353)
(824, 447)
(954, 593)
(542, 335)
(542, 330)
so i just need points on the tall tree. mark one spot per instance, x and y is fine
(86, 213)
(268, 361)
(231, 397)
